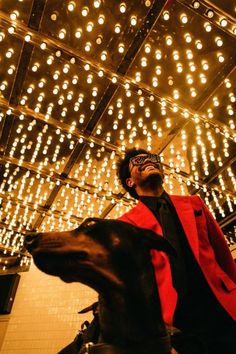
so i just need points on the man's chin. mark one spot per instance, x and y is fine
(153, 179)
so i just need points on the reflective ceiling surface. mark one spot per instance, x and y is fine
(82, 81)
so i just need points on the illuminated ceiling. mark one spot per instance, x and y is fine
(81, 81)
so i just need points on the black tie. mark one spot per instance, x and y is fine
(170, 231)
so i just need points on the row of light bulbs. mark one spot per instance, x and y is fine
(22, 140)
(86, 208)
(176, 93)
(89, 169)
(183, 17)
(72, 5)
(214, 15)
(123, 138)
(140, 124)
(90, 26)
(52, 222)
(80, 100)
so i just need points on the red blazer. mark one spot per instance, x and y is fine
(207, 243)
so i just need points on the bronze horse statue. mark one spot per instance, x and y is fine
(113, 258)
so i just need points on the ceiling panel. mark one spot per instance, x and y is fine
(100, 31)
(182, 55)
(95, 170)
(29, 188)
(9, 59)
(135, 117)
(228, 6)
(221, 104)
(38, 143)
(17, 10)
(200, 150)
(61, 89)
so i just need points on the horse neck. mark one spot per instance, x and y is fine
(132, 316)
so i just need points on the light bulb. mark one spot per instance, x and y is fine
(117, 28)
(166, 15)
(122, 7)
(85, 11)
(89, 26)
(223, 22)
(71, 6)
(133, 20)
(101, 19)
(184, 18)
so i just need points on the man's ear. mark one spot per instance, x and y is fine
(130, 183)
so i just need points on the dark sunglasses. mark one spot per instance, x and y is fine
(139, 159)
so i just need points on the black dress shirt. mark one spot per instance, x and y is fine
(164, 211)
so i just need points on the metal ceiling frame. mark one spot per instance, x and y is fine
(139, 38)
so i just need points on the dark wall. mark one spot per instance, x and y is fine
(8, 286)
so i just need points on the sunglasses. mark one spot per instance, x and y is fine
(138, 160)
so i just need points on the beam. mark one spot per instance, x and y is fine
(228, 220)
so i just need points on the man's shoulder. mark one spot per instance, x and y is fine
(130, 212)
(193, 200)
(140, 210)
(184, 197)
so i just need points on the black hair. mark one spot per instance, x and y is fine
(123, 171)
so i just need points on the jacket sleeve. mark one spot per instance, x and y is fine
(219, 244)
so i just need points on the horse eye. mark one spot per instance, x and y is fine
(88, 223)
(91, 223)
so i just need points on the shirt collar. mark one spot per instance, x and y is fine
(151, 202)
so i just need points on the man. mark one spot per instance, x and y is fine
(197, 284)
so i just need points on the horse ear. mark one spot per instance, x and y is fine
(158, 242)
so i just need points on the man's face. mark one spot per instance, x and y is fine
(145, 168)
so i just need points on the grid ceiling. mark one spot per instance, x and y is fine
(82, 81)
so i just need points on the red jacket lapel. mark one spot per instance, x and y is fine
(141, 216)
(186, 216)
